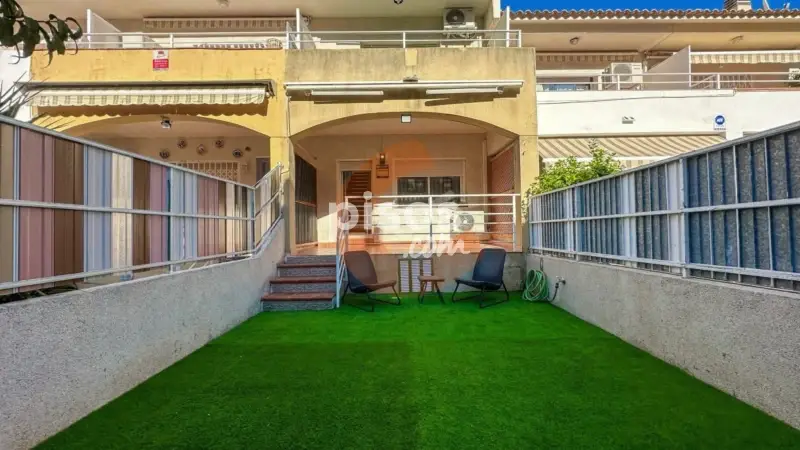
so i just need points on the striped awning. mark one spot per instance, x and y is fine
(129, 96)
(766, 57)
(625, 147)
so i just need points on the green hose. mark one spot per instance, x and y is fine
(535, 289)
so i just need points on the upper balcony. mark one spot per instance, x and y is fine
(685, 70)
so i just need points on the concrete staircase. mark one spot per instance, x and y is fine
(303, 283)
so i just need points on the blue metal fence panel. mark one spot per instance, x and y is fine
(729, 212)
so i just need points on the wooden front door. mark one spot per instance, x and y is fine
(355, 184)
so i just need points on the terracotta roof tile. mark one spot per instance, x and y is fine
(564, 14)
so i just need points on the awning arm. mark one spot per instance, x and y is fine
(340, 86)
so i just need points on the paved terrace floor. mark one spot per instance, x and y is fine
(514, 376)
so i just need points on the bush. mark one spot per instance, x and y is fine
(569, 171)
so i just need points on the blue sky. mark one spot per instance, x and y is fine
(624, 4)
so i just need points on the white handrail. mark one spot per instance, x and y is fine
(668, 81)
(295, 38)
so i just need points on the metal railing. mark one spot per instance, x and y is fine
(430, 220)
(73, 209)
(304, 39)
(669, 81)
(408, 38)
(342, 246)
(728, 212)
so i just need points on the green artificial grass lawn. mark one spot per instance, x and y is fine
(430, 376)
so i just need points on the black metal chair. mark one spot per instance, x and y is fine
(486, 276)
(362, 279)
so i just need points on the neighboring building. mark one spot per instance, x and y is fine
(651, 84)
(422, 98)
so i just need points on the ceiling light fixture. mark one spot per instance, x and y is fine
(405, 118)
(575, 40)
(166, 123)
(224, 3)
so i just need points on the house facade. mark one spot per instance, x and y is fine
(417, 103)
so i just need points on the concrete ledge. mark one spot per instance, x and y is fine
(742, 340)
(64, 356)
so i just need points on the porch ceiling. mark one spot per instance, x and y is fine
(393, 126)
(120, 9)
(181, 127)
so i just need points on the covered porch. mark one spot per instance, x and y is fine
(406, 184)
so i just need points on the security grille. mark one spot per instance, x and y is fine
(409, 271)
(227, 170)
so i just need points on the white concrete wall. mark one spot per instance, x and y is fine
(680, 63)
(11, 71)
(742, 340)
(595, 113)
(66, 355)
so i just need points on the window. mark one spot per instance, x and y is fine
(420, 187)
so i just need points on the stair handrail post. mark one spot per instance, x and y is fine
(430, 221)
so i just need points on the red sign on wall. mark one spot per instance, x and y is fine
(160, 60)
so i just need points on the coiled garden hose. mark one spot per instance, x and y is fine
(536, 289)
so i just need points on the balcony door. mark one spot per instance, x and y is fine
(354, 184)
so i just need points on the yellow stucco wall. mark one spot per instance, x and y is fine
(184, 65)
(514, 113)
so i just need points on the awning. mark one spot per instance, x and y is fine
(160, 94)
(628, 147)
(765, 57)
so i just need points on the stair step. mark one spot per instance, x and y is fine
(305, 284)
(306, 265)
(306, 270)
(298, 301)
(310, 259)
(299, 297)
(303, 280)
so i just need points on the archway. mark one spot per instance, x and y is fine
(211, 146)
(401, 158)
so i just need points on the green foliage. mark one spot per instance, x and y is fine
(24, 33)
(569, 171)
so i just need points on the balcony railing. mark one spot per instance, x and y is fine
(291, 39)
(755, 81)
(430, 221)
(72, 210)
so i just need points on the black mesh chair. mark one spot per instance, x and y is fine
(486, 276)
(362, 278)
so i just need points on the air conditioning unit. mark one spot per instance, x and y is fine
(468, 222)
(459, 19)
(459, 24)
(622, 76)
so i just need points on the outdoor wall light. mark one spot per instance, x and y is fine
(382, 159)
(166, 123)
(405, 118)
(575, 40)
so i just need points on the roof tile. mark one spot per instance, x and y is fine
(565, 14)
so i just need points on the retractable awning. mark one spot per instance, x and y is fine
(160, 94)
(755, 57)
(628, 147)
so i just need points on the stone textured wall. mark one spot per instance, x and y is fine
(740, 339)
(66, 355)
